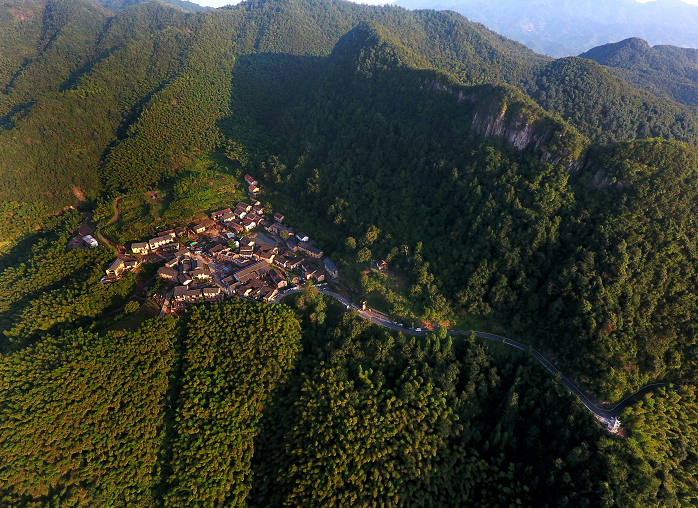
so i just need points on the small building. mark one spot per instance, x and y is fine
(216, 249)
(311, 251)
(254, 271)
(267, 294)
(116, 269)
(180, 293)
(279, 228)
(140, 248)
(240, 213)
(246, 251)
(382, 265)
(202, 226)
(292, 263)
(90, 241)
(220, 213)
(156, 243)
(253, 190)
(302, 237)
(212, 294)
(235, 227)
(184, 279)
(331, 268)
(194, 295)
(258, 210)
(131, 264)
(200, 273)
(277, 279)
(267, 255)
(179, 232)
(292, 244)
(244, 206)
(182, 253)
(227, 217)
(279, 217)
(248, 224)
(250, 180)
(168, 273)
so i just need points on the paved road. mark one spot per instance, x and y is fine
(376, 319)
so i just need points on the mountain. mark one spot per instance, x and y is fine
(548, 200)
(664, 70)
(183, 5)
(570, 27)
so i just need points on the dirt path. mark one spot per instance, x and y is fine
(114, 219)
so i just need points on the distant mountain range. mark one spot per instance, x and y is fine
(570, 27)
(663, 70)
(183, 5)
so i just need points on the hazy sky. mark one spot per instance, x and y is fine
(221, 3)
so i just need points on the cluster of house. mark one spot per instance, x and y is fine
(258, 269)
(193, 279)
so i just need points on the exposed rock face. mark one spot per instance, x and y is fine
(517, 130)
(490, 118)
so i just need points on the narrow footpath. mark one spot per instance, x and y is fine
(603, 413)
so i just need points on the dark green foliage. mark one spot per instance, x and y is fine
(81, 420)
(657, 466)
(663, 70)
(607, 109)
(236, 354)
(492, 231)
(44, 289)
(374, 419)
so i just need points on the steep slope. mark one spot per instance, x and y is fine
(49, 157)
(606, 108)
(183, 5)
(487, 204)
(664, 70)
(63, 35)
(179, 66)
(568, 27)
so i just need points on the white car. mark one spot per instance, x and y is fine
(417, 329)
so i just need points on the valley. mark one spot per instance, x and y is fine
(301, 208)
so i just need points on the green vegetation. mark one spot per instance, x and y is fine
(81, 422)
(236, 355)
(207, 183)
(474, 167)
(660, 455)
(44, 289)
(664, 70)
(607, 109)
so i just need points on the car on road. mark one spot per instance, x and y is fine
(417, 329)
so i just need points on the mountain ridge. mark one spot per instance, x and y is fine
(570, 27)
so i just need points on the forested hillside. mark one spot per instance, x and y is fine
(87, 93)
(233, 406)
(562, 28)
(664, 70)
(552, 241)
(546, 199)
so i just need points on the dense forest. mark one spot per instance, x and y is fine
(94, 101)
(233, 406)
(592, 243)
(664, 70)
(549, 200)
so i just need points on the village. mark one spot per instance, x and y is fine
(236, 252)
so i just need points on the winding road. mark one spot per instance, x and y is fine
(600, 412)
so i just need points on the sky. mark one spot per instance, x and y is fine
(221, 3)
